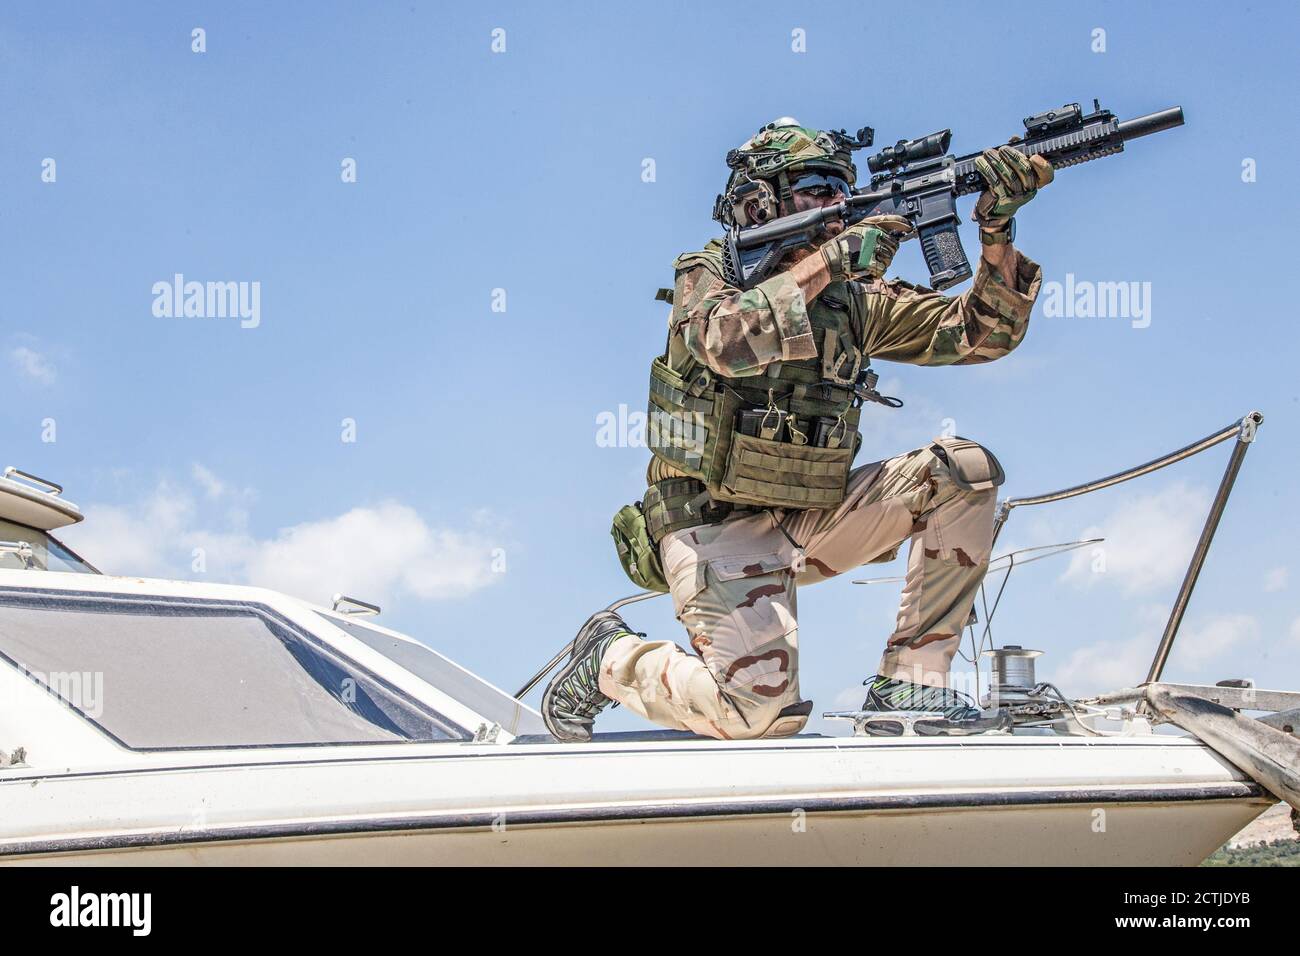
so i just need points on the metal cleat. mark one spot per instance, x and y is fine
(884, 723)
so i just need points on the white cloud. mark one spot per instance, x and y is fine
(1105, 665)
(372, 551)
(1149, 540)
(144, 538)
(1277, 578)
(33, 365)
(1109, 665)
(375, 553)
(1201, 644)
(211, 484)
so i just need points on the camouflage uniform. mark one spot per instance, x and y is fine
(734, 583)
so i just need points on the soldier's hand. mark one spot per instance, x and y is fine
(865, 249)
(1012, 180)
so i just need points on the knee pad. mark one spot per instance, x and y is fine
(972, 466)
(790, 720)
(770, 721)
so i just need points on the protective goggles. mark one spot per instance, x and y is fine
(821, 186)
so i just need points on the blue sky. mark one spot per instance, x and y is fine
(475, 501)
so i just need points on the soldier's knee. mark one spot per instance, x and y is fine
(969, 465)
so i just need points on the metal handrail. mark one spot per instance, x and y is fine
(1245, 438)
(361, 607)
(554, 661)
(49, 487)
(1244, 431)
(1255, 419)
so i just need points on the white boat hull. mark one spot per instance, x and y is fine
(807, 801)
(1152, 834)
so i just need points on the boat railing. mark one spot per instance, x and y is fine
(1243, 430)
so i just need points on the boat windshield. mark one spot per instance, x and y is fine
(47, 553)
(158, 673)
(449, 677)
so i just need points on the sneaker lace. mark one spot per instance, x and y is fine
(906, 695)
(581, 695)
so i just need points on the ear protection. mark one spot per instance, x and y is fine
(751, 203)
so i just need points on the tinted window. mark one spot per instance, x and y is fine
(158, 674)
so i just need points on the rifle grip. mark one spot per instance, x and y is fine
(944, 256)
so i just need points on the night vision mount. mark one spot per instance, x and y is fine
(864, 138)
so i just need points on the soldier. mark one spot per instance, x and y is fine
(754, 412)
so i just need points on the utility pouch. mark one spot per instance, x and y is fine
(675, 504)
(972, 466)
(833, 433)
(784, 475)
(689, 420)
(761, 423)
(636, 552)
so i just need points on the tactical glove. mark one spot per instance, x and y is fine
(865, 249)
(1012, 180)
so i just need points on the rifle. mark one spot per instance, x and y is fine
(919, 180)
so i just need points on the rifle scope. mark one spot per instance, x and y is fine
(909, 151)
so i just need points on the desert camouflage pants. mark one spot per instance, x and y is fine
(733, 586)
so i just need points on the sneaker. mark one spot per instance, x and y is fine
(891, 693)
(573, 698)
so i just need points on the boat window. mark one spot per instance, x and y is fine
(47, 552)
(161, 674)
(59, 557)
(450, 678)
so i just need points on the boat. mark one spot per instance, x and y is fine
(159, 722)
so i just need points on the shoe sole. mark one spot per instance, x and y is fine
(581, 642)
(548, 696)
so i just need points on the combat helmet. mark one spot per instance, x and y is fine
(765, 169)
